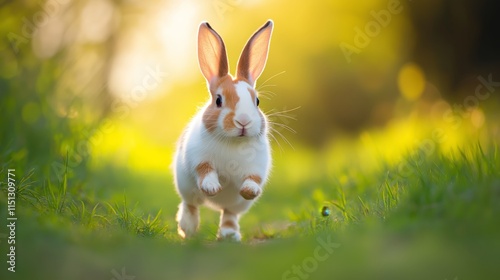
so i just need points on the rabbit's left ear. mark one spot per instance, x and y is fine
(254, 56)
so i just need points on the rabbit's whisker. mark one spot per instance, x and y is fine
(272, 77)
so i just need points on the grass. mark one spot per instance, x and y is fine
(426, 214)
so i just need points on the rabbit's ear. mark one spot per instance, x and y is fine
(211, 54)
(254, 55)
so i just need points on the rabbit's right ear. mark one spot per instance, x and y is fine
(211, 54)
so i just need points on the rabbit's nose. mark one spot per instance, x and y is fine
(242, 120)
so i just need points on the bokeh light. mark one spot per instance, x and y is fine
(411, 81)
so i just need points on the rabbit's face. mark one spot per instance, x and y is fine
(233, 110)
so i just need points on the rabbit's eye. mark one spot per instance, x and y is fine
(218, 101)
(258, 101)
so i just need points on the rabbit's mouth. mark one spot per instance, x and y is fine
(243, 132)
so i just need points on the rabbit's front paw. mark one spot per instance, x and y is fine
(210, 185)
(250, 190)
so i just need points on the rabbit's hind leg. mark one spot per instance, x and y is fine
(188, 219)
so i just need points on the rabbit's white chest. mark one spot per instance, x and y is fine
(234, 162)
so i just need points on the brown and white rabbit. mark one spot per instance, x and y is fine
(223, 157)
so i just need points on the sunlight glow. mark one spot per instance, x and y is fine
(126, 146)
(177, 27)
(165, 43)
(96, 20)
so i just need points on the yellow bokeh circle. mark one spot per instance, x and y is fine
(411, 81)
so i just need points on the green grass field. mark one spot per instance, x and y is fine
(426, 210)
(386, 133)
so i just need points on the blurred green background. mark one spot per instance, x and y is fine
(95, 93)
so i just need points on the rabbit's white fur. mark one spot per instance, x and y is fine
(223, 157)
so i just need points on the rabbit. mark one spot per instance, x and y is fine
(223, 157)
